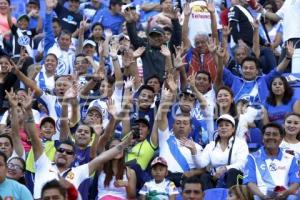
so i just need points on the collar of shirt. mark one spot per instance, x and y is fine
(264, 155)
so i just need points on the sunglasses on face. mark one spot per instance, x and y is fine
(62, 150)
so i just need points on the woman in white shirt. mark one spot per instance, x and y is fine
(225, 157)
(115, 180)
(291, 140)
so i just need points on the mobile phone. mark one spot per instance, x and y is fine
(135, 131)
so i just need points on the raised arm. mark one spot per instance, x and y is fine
(13, 102)
(114, 48)
(30, 126)
(289, 54)
(130, 17)
(109, 154)
(27, 81)
(255, 47)
(166, 52)
(163, 109)
(212, 12)
(185, 27)
(49, 35)
(150, 6)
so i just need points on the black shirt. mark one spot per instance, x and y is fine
(69, 20)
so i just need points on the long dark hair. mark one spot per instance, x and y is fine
(288, 92)
(232, 110)
(108, 169)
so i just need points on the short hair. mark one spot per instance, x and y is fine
(145, 87)
(206, 73)
(55, 19)
(185, 115)
(3, 156)
(80, 55)
(68, 142)
(190, 180)
(153, 76)
(65, 32)
(54, 184)
(90, 127)
(251, 59)
(21, 160)
(8, 137)
(273, 125)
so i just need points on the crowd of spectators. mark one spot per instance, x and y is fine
(148, 99)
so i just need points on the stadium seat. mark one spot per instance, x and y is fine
(255, 139)
(215, 194)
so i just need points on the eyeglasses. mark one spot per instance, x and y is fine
(62, 150)
(15, 167)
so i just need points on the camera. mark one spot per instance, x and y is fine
(135, 131)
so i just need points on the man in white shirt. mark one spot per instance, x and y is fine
(181, 153)
(64, 157)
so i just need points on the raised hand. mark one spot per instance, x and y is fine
(114, 48)
(12, 98)
(100, 48)
(165, 51)
(221, 52)
(226, 30)
(211, 6)
(188, 144)
(212, 45)
(179, 60)
(138, 52)
(111, 108)
(167, 95)
(192, 80)
(108, 33)
(129, 83)
(129, 16)
(28, 99)
(72, 92)
(187, 10)
(289, 49)
(171, 82)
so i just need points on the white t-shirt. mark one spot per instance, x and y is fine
(165, 189)
(46, 171)
(119, 192)
(294, 147)
(165, 152)
(49, 81)
(290, 13)
(200, 21)
(215, 157)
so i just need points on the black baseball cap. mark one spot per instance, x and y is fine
(157, 29)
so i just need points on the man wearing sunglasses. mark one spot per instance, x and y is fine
(64, 157)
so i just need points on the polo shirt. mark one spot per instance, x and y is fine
(46, 171)
(268, 172)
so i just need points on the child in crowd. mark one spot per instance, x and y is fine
(159, 187)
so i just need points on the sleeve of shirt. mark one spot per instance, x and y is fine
(233, 14)
(205, 156)
(80, 173)
(282, 10)
(228, 77)
(42, 163)
(241, 152)
(163, 135)
(173, 189)
(294, 173)
(197, 158)
(144, 190)
(250, 171)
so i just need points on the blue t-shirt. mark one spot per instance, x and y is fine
(11, 189)
(246, 90)
(109, 21)
(82, 156)
(278, 112)
(145, 15)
